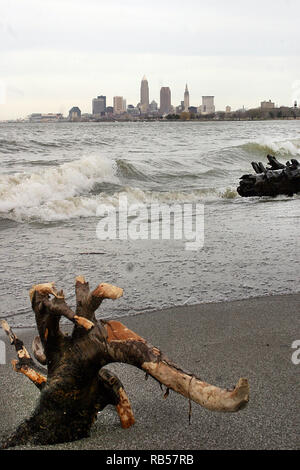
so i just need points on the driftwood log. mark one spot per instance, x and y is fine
(76, 386)
(272, 180)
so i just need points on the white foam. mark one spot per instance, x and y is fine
(31, 191)
(287, 148)
(63, 192)
(67, 208)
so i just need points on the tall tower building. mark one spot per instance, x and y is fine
(165, 100)
(144, 103)
(186, 99)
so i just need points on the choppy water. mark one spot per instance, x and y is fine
(54, 177)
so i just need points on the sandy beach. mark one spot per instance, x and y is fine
(219, 342)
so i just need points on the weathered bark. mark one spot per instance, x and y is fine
(76, 386)
(273, 180)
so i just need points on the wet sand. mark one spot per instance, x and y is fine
(219, 342)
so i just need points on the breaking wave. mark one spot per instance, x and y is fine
(76, 189)
(84, 206)
(23, 192)
(263, 146)
(128, 170)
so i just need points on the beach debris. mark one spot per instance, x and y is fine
(75, 385)
(272, 180)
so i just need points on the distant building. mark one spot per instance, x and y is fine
(99, 105)
(165, 100)
(144, 104)
(35, 117)
(153, 107)
(86, 117)
(179, 109)
(118, 102)
(192, 109)
(267, 105)
(228, 109)
(186, 100)
(208, 106)
(74, 114)
(133, 110)
(50, 117)
(109, 110)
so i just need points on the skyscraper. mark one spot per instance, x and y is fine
(208, 106)
(186, 99)
(99, 105)
(144, 104)
(119, 104)
(165, 100)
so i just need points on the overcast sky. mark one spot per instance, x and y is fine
(55, 54)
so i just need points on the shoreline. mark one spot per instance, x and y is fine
(218, 341)
(174, 308)
(64, 121)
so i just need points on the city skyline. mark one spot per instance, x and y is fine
(241, 55)
(119, 103)
(144, 108)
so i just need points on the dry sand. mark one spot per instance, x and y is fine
(219, 342)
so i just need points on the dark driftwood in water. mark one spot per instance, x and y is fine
(273, 180)
(75, 386)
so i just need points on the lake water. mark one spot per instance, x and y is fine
(54, 178)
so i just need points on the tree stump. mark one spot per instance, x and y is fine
(271, 181)
(76, 386)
